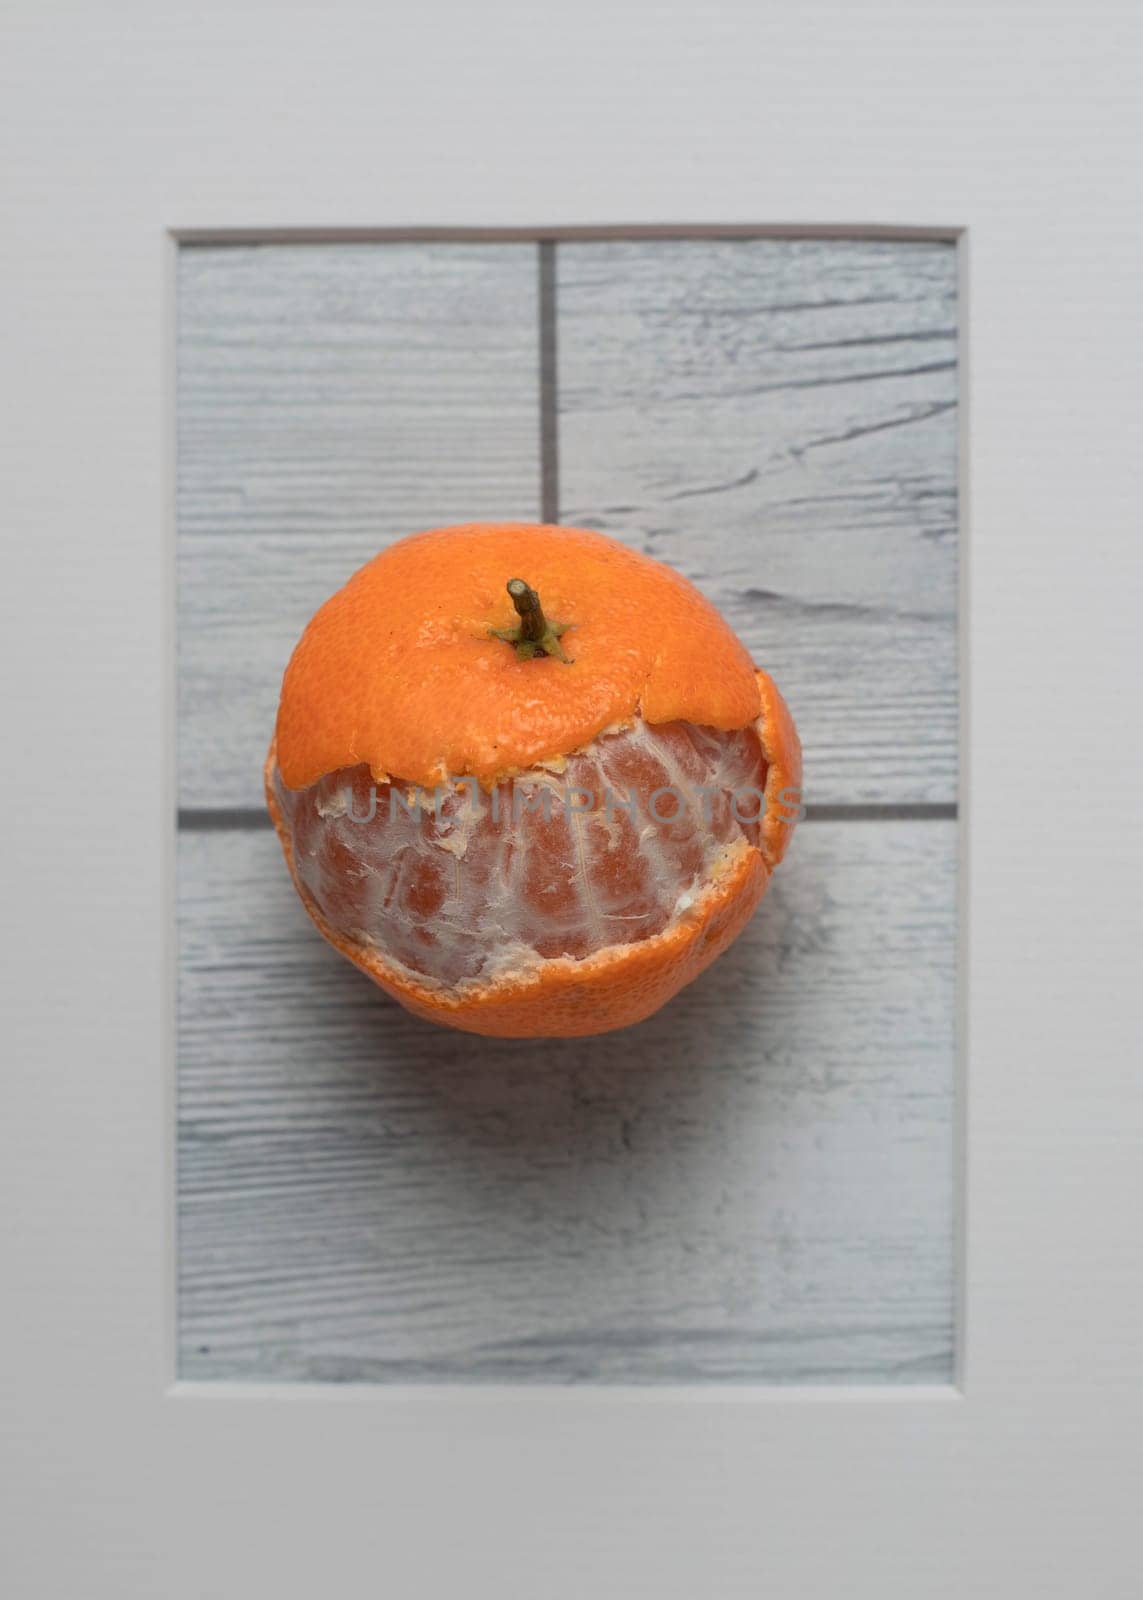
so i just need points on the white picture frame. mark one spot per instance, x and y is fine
(1018, 129)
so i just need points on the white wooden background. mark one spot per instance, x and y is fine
(757, 1184)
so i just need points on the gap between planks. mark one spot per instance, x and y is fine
(549, 385)
(245, 819)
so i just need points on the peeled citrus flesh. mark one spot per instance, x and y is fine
(457, 885)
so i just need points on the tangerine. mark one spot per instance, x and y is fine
(528, 779)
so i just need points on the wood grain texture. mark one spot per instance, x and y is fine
(777, 418)
(756, 1184)
(330, 399)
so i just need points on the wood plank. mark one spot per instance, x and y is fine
(777, 418)
(755, 1185)
(330, 399)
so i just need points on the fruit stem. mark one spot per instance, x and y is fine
(535, 636)
(533, 623)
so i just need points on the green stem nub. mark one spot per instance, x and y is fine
(535, 636)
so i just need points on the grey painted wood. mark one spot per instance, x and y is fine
(756, 1184)
(330, 399)
(777, 418)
